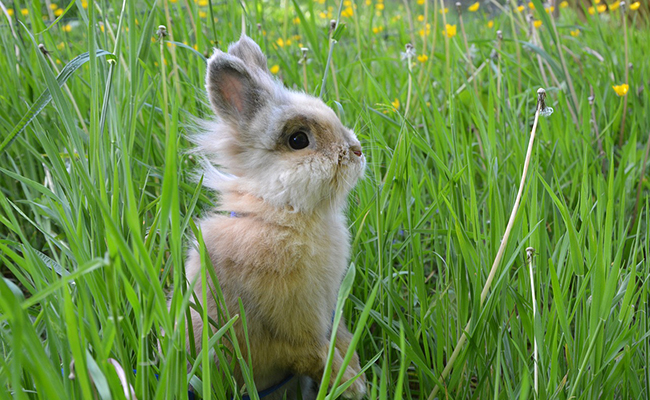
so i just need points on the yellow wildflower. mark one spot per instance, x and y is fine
(490, 24)
(67, 28)
(597, 1)
(275, 69)
(379, 6)
(84, 4)
(601, 8)
(614, 6)
(473, 7)
(520, 8)
(377, 29)
(296, 20)
(24, 11)
(60, 46)
(537, 23)
(420, 18)
(368, 2)
(621, 89)
(173, 1)
(449, 31)
(531, 5)
(203, 3)
(550, 9)
(591, 10)
(423, 58)
(395, 104)
(564, 4)
(347, 12)
(203, 14)
(101, 27)
(58, 12)
(421, 2)
(58, 61)
(443, 10)
(196, 47)
(575, 33)
(280, 42)
(635, 5)
(10, 11)
(53, 6)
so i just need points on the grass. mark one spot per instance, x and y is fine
(97, 201)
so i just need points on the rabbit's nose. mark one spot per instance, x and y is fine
(356, 149)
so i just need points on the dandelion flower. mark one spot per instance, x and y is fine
(635, 5)
(58, 12)
(10, 11)
(84, 4)
(275, 69)
(490, 24)
(378, 29)
(537, 23)
(575, 33)
(24, 11)
(621, 89)
(550, 9)
(601, 8)
(597, 1)
(449, 31)
(473, 7)
(60, 46)
(564, 4)
(423, 58)
(67, 28)
(395, 104)
(531, 5)
(296, 20)
(379, 6)
(348, 12)
(520, 8)
(368, 2)
(420, 18)
(53, 6)
(203, 3)
(444, 10)
(421, 2)
(280, 42)
(203, 14)
(591, 10)
(614, 6)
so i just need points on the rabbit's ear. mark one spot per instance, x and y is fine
(247, 50)
(236, 92)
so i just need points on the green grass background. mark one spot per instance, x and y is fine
(97, 200)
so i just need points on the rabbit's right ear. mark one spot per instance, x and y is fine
(235, 91)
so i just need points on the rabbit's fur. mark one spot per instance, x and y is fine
(284, 249)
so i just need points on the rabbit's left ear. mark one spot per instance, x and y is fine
(249, 52)
(236, 91)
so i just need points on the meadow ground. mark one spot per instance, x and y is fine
(97, 201)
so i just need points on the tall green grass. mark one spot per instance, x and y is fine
(98, 202)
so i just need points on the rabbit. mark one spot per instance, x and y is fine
(278, 239)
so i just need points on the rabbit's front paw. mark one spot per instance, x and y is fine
(357, 389)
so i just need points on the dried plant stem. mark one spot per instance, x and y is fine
(541, 94)
(530, 252)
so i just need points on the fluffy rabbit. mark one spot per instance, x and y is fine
(281, 245)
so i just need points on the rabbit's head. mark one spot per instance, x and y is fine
(284, 147)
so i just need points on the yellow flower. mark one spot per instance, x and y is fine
(614, 6)
(420, 18)
(67, 28)
(84, 4)
(550, 9)
(348, 12)
(395, 103)
(58, 12)
(368, 2)
(379, 6)
(53, 6)
(377, 29)
(597, 1)
(275, 69)
(24, 11)
(203, 3)
(531, 5)
(60, 46)
(420, 2)
(444, 10)
(173, 1)
(601, 8)
(296, 20)
(635, 5)
(196, 47)
(203, 14)
(564, 4)
(621, 89)
(591, 10)
(280, 42)
(449, 31)
(520, 8)
(10, 11)
(423, 58)
(490, 24)
(473, 7)
(537, 23)
(101, 27)
(575, 33)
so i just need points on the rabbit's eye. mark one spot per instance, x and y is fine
(298, 140)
